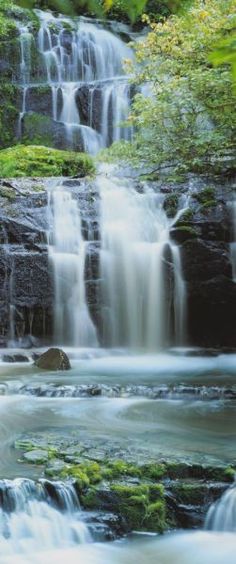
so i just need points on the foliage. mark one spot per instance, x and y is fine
(225, 53)
(8, 28)
(187, 120)
(130, 8)
(20, 161)
(117, 9)
(8, 113)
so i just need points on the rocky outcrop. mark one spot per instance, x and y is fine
(53, 359)
(205, 231)
(25, 276)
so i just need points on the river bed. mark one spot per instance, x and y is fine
(145, 407)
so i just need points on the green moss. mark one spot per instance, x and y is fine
(120, 468)
(8, 114)
(138, 509)
(186, 229)
(37, 130)
(208, 204)
(185, 217)
(21, 160)
(171, 205)
(90, 499)
(205, 195)
(189, 493)
(85, 474)
(230, 474)
(8, 28)
(153, 471)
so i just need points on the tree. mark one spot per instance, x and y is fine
(188, 118)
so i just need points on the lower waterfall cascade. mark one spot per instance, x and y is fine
(38, 517)
(42, 522)
(222, 514)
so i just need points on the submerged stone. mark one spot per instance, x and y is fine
(53, 359)
(36, 456)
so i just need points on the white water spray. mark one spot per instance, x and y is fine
(135, 294)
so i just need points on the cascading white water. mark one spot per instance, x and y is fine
(26, 39)
(38, 517)
(135, 297)
(222, 514)
(67, 252)
(79, 58)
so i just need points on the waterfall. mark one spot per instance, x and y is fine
(26, 39)
(81, 63)
(39, 516)
(136, 296)
(222, 514)
(67, 252)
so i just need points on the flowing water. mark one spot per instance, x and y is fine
(136, 294)
(142, 291)
(41, 521)
(82, 65)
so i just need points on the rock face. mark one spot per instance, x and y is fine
(205, 232)
(25, 276)
(53, 359)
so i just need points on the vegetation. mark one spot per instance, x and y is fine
(123, 10)
(188, 119)
(23, 160)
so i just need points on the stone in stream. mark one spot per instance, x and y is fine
(36, 456)
(15, 358)
(53, 359)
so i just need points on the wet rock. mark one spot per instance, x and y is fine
(36, 456)
(55, 468)
(53, 359)
(15, 358)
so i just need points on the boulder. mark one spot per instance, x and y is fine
(53, 359)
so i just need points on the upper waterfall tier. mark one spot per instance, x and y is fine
(81, 63)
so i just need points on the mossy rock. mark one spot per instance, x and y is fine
(205, 195)
(171, 205)
(22, 161)
(143, 507)
(182, 233)
(185, 218)
(9, 98)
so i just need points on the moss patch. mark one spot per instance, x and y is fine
(20, 161)
(142, 507)
(205, 195)
(171, 205)
(8, 114)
